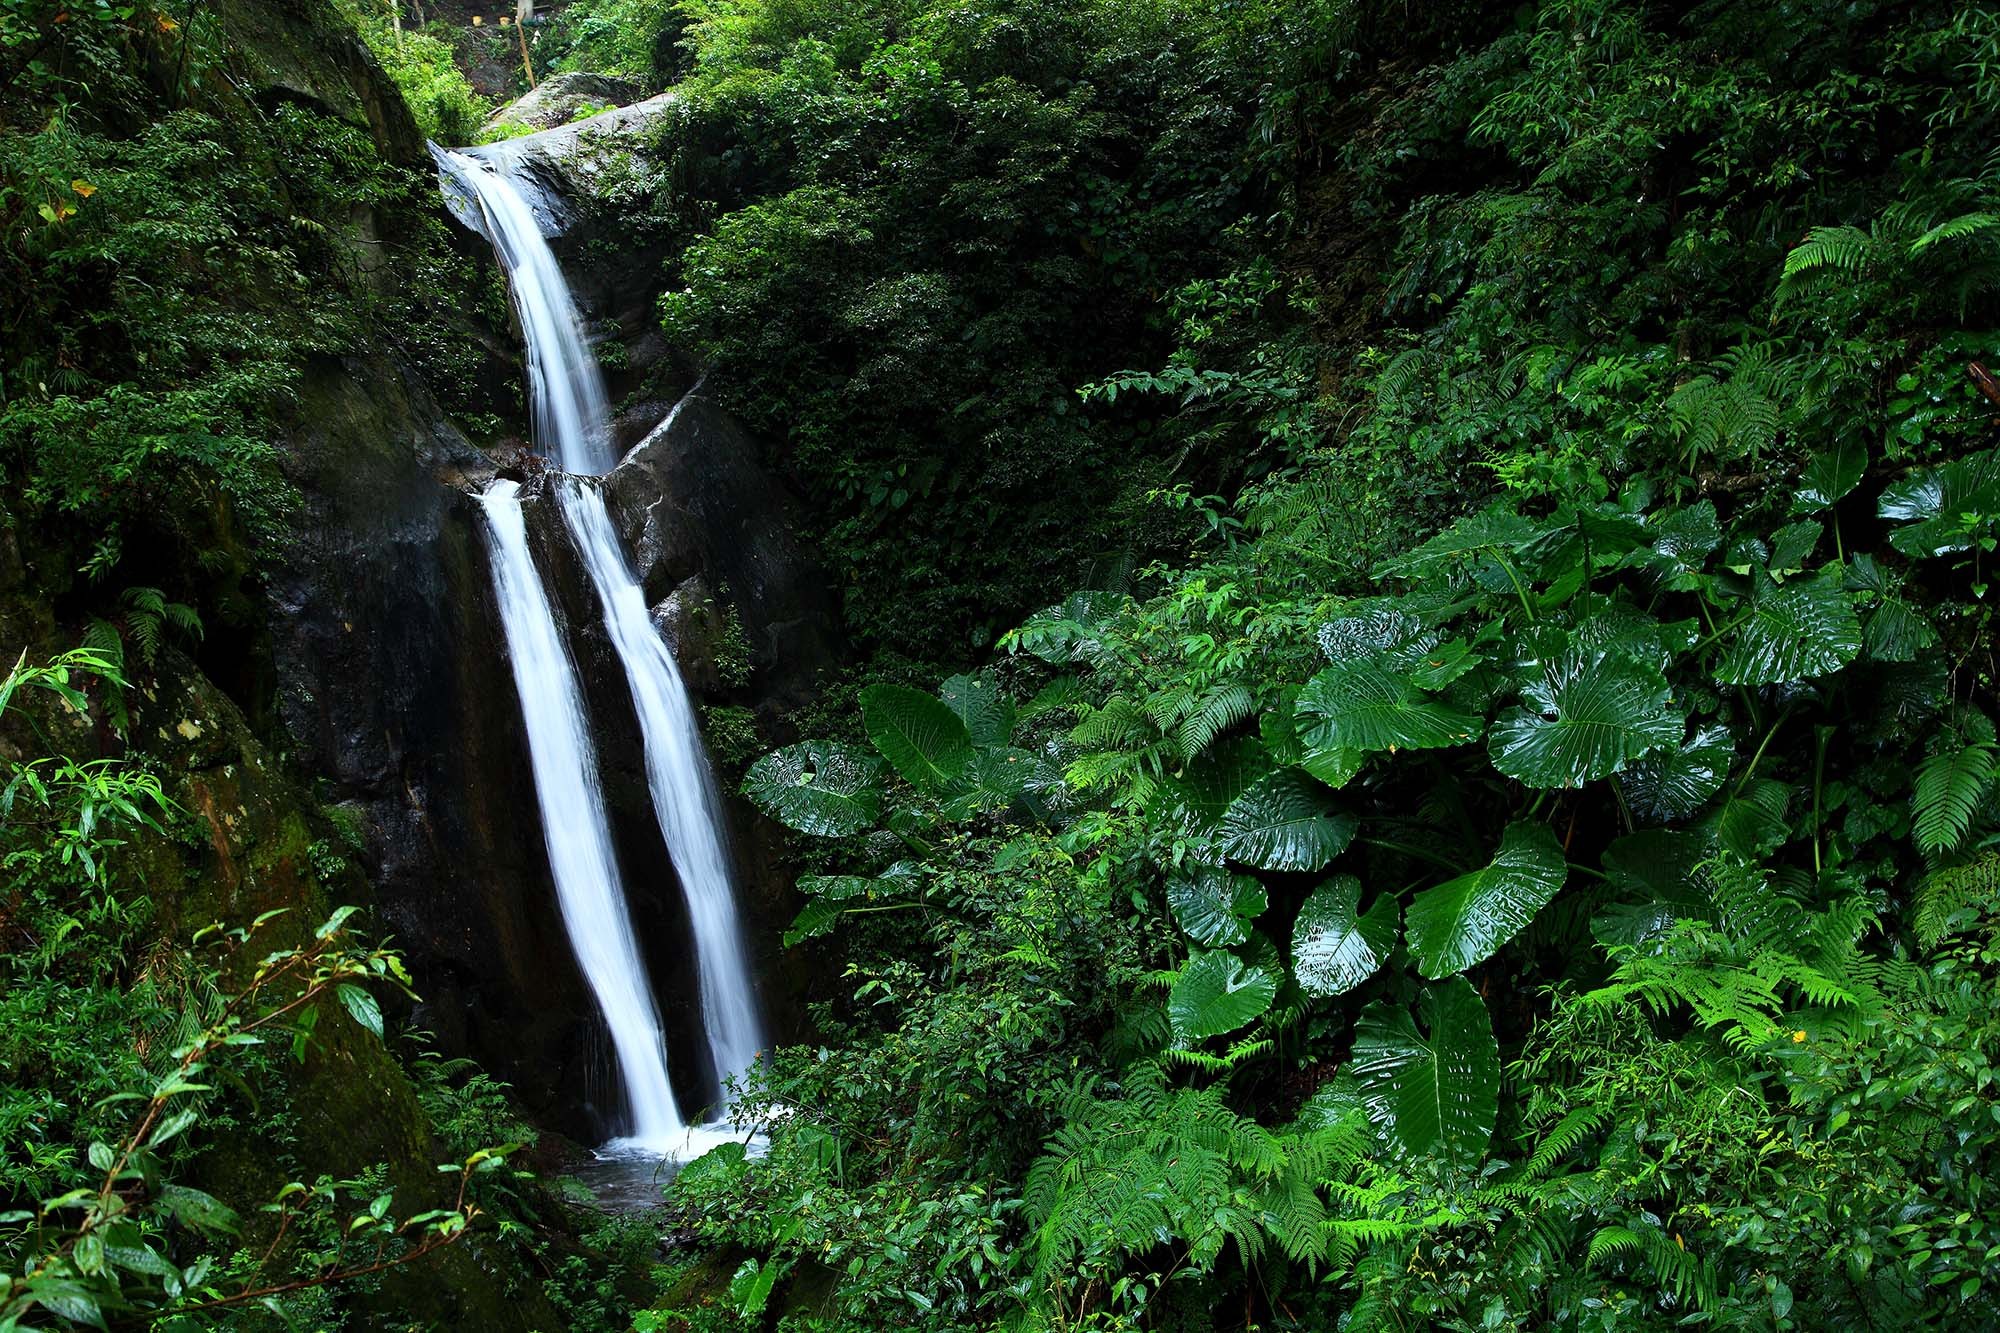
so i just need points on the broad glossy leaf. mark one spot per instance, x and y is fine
(1897, 631)
(1215, 907)
(1932, 501)
(818, 787)
(917, 733)
(1805, 628)
(988, 714)
(1212, 780)
(1792, 545)
(816, 918)
(203, 1212)
(1362, 706)
(1216, 994)
(993, 779)
(1490, 532)
(1465, 920)
(1434, 1089)
(1379, 632)
(361, 1007)
(1443, 664)
(1674, 781)
(899, 879)
(1683, 541)
(1281, 822)
(831, 895)
(1336, 768)
(1657, 875)
(1590, 714)
(1753, 824)
(1335, 947)
(1830, 476)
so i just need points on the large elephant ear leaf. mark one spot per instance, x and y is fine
(917, 733)
(1675, 781)
(1335, 947)
(1933, 504)
(1217, 993)
(1435, 1092)
(1830, 476)
(1280, 822)
(1805, 628)
(1465, 920)
(1591, 713)
(1659, 878)
(818, 787)
(994, 778)
(988, 714)
(1363, 706)
(1378, 632)
(1215, 907)
(1683, 540)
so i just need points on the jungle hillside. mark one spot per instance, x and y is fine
(1334, 659)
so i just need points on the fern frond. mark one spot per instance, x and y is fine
(1949, 898)
(1843, 249)
(1571, 1130)
(1953, 229)
(1219, 710)
(1951, 786)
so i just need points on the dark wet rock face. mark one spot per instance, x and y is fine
(395, 690)
(695, 498)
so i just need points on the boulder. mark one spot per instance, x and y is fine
(557, 99)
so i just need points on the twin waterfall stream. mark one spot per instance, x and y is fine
(572, 430)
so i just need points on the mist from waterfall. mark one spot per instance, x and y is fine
(571, 426)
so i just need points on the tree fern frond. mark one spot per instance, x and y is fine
(1842, 249)
(1950, 897)
(1953, 229)
(1951, 785)
(1219, 710)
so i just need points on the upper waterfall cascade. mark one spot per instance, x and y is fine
(566, 391)
(570, 419)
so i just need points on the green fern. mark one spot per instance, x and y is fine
(1948, 896)
(1825, 251)
(1951, 786)
(1153, 1163)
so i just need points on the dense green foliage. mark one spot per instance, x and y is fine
(1494, 824)
(173, 261)
(107, 1043)
(972, 210)
(424, 65)
(1532, 864)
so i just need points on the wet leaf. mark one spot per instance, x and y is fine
(1464, 921)
(1334, 947)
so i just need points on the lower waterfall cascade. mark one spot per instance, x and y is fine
(572, 430)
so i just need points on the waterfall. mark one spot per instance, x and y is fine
(566, 392)
(683, 789)
(574, 825)
(571, 424)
